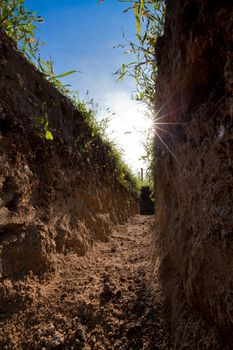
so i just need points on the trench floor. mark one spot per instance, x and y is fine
(107, 300)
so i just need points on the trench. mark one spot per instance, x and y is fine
(74, 272)
(108, 299)
(75, 278)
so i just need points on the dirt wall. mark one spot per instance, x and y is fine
(194, 172)
(56, 196)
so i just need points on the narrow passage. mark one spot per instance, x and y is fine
(104, 300)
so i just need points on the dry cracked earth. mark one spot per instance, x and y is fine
(107, 300)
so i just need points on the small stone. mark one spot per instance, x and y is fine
(79, 335)
(50, 329)
(93, 340)
(110, 334)
(57, 339)
(59, 317)
(113, 249)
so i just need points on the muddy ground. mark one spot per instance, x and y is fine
(104, 300)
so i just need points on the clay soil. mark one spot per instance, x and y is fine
(104, 300)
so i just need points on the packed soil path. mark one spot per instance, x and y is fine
(106, 300)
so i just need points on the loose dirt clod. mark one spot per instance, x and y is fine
(104, 300)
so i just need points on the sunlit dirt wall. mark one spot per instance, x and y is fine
(58, 196)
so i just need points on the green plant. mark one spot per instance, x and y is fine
(21, 24)
(149, 17)
(42, 124)
(149, 20)
(98, 129)
(47, 68)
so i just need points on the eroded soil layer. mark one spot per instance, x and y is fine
(104, 300)
(194, 96)
(56, 196)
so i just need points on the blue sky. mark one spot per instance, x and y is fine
(81, 35)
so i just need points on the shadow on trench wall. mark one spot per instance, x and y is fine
(146, 203)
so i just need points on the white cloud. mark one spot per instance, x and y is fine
(128, 125)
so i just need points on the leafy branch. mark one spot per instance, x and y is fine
(20, 24)
(149, 19)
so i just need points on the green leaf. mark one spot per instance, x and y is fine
(136, 13)
(48, 135)
(142, 6)
(65, 74)
(129, 8)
